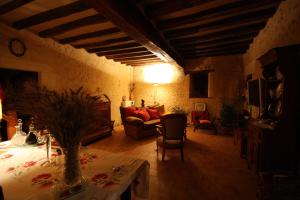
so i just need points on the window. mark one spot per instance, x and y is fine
(199, 84)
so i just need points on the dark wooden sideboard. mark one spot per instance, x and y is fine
(273, 140)
(105, 124)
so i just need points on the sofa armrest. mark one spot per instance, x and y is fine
(134, 120)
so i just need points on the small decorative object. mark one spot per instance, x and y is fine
(68, 116)
(17, 47)
(178, 109)
(31, 136)
(142, 103)
(200, 106)
(20, 136)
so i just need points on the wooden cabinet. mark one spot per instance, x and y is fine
(273, 141)
(260, 149)
(104, 122)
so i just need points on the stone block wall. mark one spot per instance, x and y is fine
(281, 30)
(62, 66)
(224, 85)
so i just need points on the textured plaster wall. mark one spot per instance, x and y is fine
(224, 85)
(281, 30)
(62, 67)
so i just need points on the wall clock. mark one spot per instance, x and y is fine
(17, 47)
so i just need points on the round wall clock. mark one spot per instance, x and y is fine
(17, 47)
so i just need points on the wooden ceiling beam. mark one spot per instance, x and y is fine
(130, 55)
(219, 13)
(151, 57)
(103, 43)
(241, 46)
(235, 32)
(90, 35)
(90, 20)
(166, 7)
(114, 48)
(205, 29)
(52, 14)
(145, 62)
(132, 21)
(217, 43)
(12, 5)
(123, 51)
(216, 53)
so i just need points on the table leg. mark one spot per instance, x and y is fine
(126, 195)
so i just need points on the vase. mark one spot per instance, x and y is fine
(71, 168)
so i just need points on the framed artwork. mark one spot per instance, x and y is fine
(200, 107)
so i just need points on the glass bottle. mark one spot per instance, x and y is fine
(31, 137)
(20, 136)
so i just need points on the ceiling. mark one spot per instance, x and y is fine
(139, 32)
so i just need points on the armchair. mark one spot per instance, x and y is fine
(201, 119)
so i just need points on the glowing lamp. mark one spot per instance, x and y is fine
(159, 74)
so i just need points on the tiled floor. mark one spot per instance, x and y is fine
(212, 168)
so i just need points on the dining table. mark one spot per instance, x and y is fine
(27, 173)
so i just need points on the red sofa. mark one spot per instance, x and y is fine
(141, 122)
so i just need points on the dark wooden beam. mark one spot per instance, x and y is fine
(90, 20)
(141, 61)
(12, 5)
(165, 7)
(52, 14)
(217, 43)
(216, 53)
(131, 20)
(219, 13)
(103, 43)
(130, 55)
(114, 48)
(124, 51)
(256, 18)
(90, 35)
(137, 58)
(145, 62)
(235, 32)
(241, 46)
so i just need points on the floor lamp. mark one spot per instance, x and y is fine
(155, 85)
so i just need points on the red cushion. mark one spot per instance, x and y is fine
(142, 114)
(129, 111)
(204, 121)
(154, 114)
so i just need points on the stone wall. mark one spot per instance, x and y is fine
(62, 66)
(281, 30)
(224, 85)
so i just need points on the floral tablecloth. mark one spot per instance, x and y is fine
(26, 174)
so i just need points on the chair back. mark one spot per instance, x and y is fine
(1, 194)
(174, 125)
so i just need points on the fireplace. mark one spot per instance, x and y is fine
(16, 79)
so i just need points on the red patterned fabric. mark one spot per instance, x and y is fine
(129, 111)
(204, 121)
(142, 114)
(154, 114)
(199, 115)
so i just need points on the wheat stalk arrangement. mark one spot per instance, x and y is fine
(68, 115)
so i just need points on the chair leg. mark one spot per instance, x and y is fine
(181, 151)
(163, 154)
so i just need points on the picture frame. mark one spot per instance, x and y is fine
(200, 106)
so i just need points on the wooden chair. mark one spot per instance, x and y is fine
(1, 194)
(171, 132)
